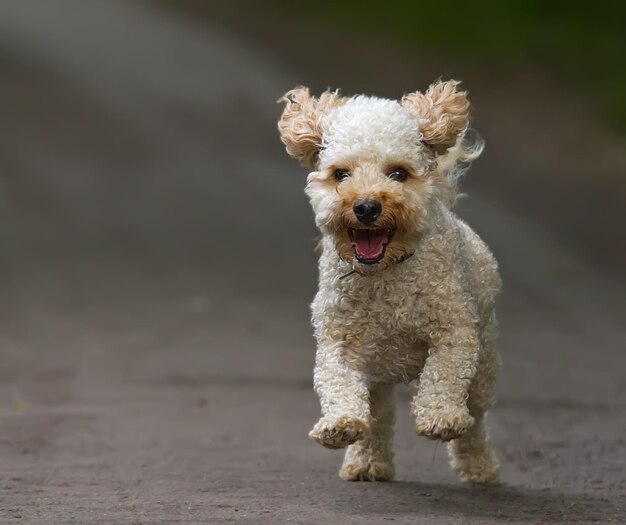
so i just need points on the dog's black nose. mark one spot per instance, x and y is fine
(367, 210)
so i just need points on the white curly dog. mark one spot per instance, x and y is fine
(406, 290)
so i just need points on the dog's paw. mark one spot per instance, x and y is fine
(480, 476)
(368, 471)
(443, 424)
(338, 432)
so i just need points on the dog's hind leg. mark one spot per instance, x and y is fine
(371, 459)
(471, 455)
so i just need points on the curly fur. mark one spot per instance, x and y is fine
(425, 313)
(300, 125)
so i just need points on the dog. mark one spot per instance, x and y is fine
(407, 290)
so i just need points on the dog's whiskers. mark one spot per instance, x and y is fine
(435, 451)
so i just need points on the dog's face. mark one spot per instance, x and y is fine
(374, 162)
(371, 191)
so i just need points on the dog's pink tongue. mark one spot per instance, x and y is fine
(369, 244)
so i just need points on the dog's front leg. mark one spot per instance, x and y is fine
(440, 405)
(344, 397)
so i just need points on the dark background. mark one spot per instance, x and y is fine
(156, 257)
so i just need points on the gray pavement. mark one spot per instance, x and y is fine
(157, 266)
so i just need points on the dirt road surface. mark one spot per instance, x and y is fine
(156, 269)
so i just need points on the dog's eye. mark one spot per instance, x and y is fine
(341, 174)
(398, 174)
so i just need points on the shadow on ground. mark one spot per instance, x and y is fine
(503, 502)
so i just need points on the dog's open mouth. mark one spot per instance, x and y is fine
(370, 243)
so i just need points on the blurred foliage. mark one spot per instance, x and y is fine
(583, 40)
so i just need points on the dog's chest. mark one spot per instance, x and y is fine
(394, 359)
(380, 323)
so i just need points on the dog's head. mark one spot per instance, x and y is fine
(377, 165)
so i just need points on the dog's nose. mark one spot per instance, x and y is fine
(367, 210)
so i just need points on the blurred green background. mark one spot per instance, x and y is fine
(582, 41)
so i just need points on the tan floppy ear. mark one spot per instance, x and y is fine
(443, 113)
(301, 124)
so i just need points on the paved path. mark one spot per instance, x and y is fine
(156, 270)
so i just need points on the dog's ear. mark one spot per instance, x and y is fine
(301, 124)
(443, 113)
